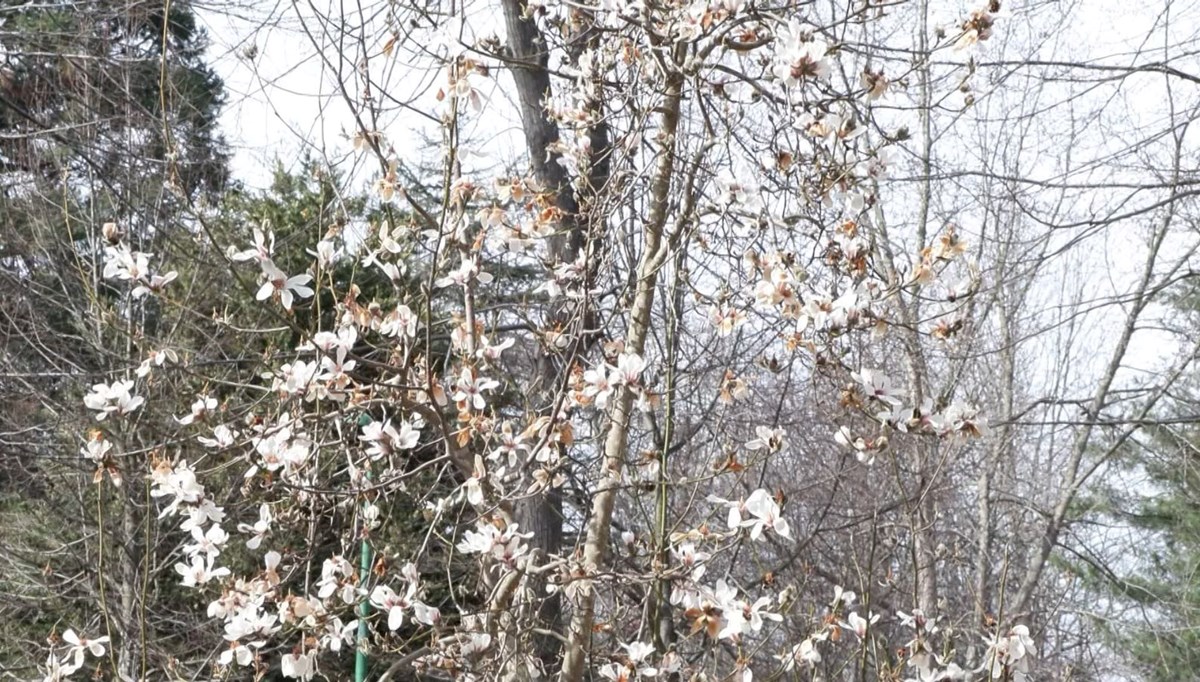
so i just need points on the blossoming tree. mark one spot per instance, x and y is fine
(611, 391)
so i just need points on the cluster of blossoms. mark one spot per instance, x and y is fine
(253, 609)
(758, 512)
(800, 56)
(876, 391)
(599, 383)
(719, 612)
(276, 282)
(637, 664)
(243, 604)
(398, 604)
(1010, 655)
(124, 264)
(113, 399)
(505, 546)
(281, 448)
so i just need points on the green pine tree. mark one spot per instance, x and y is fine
(1161, 636)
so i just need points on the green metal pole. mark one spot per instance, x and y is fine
(364, 607)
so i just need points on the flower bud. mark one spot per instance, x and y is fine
(111, 232)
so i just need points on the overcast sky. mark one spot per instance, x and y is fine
(284, 97)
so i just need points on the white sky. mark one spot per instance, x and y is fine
(286, 100)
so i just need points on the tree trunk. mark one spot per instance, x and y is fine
(654, 253)
(542, 514)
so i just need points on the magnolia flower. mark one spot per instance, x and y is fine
(79, 644)
(248, 622)
(243, 654)
(264, 246)
(288, 288)
(394, 271)
(470, 388)
(1009, 656)
(765, 513)
(777, 288)
(388, 185)
(597, 386)
(282, 450)
(326, 254)
(400, 322)
(726, 318)
(56, 670)
(474, 642)
(259, 529)
(200, 409)
(300, 377)
(337, 576)
(199, 572)
(844, 598)
(734, 518)
(385, 438)
(156, 359)
(491, 352)
(510, 447)
(768, 438)
(801, 62)
(756, 613)
(222, 437)
(732, 388)
(691, 560)
(386, 599)
(466, 272)
(963, 419)
(616, 672)
(864, 450)
(874, 83)
(179, 481)
(733, 192)
(638, 653)
(121, 263)
(462, 86)
(722, 598)
(204, 512)
(334, 371)
(271, 561)
(976, 29)
(113, 398)
(858, 625)
(96, 449)
(474, 484)
(155, 284)
(804, 652)
(628, 370)
(336, 633)
(407, 437)
(329, 342)
(209, 543)
(505, 546)
(301, 666)
(877, 385)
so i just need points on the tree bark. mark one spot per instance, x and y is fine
(542, 514)
(654, 253)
